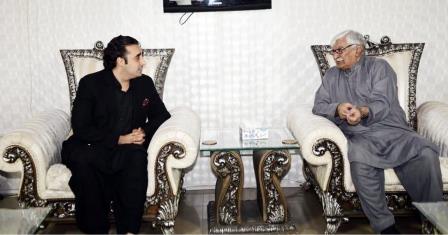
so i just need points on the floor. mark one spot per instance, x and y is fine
(304, 209)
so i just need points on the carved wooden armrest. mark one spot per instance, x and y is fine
(37, 144)
(320, 141)
(174, 147)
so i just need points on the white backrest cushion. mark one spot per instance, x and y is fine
(85, 65)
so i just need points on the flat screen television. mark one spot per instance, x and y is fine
(214, 5)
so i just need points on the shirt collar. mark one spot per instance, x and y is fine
(113, 81)
(356, 67)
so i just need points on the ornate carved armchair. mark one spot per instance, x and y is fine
(34, 148)
(324, 147)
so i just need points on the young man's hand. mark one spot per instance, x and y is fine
(137, 136)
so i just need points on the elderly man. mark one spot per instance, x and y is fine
(359, 94)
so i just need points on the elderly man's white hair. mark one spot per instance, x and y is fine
(352, 37)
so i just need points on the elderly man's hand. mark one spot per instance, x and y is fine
(354, 117)
(344, 109)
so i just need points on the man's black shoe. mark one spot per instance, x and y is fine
(390, 230)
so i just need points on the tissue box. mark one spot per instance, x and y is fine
(254, 133)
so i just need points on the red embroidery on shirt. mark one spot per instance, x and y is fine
(145, 102)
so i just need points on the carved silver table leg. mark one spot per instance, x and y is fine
(229, 186)
(270, 166)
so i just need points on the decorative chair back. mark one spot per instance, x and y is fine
(80, 62)
(404, 58)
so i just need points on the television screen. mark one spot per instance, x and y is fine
(214, 5)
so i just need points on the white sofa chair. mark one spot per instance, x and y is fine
(324, 147)
(34, 148)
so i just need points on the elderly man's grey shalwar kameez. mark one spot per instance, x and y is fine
(382, 140)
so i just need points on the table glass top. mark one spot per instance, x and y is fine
(436, 213)
(22, 221)
(229, 139)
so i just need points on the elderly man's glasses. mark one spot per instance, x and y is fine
(340, 50)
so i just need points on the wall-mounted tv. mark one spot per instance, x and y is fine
(214, 5)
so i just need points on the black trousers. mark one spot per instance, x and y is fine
(100, 177)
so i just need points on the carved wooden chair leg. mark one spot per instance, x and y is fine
(167, 214)
(168, 207)
(62, 209)
(332, 212)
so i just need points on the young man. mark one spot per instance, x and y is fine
(359, 94)
(115, 114)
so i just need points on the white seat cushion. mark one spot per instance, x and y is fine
(57, 177)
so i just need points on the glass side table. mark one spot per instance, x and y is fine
(437, 214)
(272, 160)
(22, 221)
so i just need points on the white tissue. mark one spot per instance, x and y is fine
(253, 131)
